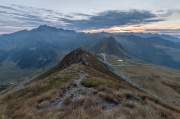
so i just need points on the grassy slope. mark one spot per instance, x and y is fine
(27, 102)
(26, 99)
(160, 81)
(11, 73)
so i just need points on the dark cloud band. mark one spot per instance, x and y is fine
(22, 16)
(114, 18)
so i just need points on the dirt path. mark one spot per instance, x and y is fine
(126, 77)
(78, 91)
(23, 83)
(113, 65)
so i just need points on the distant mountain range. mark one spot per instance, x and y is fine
(45, 45)
(153, 50)
(148, 35)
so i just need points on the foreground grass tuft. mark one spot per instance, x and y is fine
(96, 82)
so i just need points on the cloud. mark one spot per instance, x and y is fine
(22, 17)
(114, 18)
(28, 16)
(164, 31)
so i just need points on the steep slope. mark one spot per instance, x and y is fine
(28, 48)
(110, 46)
(158, 81)
(80, 55)
(3, 56)
(81, 86)
(25, 52)
(153, 50)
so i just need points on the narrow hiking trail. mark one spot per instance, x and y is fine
(124, 76)
(113, 65)
(106, 62)
(127, 78)
(23, 83)
(79, 91)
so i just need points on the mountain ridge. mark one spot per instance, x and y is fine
(110, 46)
(80, 55)
(82, 82)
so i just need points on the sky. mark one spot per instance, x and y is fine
(148, 16)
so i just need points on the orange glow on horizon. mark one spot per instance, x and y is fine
(123, 29)
(5, 33)
(115, 30)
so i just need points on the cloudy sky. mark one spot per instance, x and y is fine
(154, 16)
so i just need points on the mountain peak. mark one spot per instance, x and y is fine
(82, 49)
(110, 37)
(43, 28)
(81, 56)
(110, 46)
(46, 27)
(110, 40)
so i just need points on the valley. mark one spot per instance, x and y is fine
(42, 48)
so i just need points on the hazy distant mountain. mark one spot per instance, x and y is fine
(3, 56)
(36, 47)
(163, 36)
(153, 50)
(31, 48)
(45, 45)
(110, 46)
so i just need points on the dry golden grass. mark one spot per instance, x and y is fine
(111, 93)
(67, 100)
(160, 81)
(36, 95)
(32, 101)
